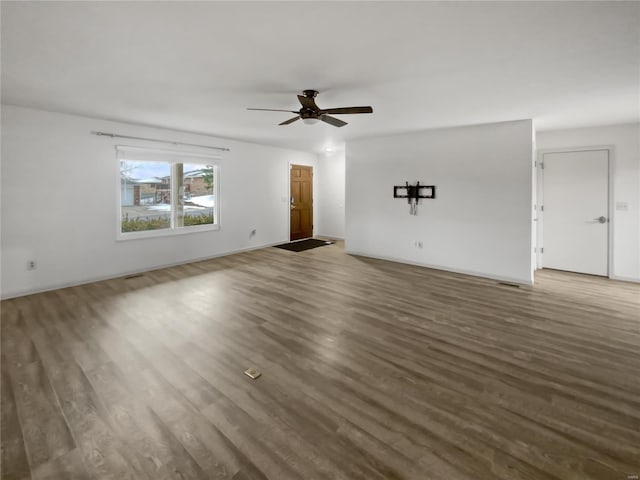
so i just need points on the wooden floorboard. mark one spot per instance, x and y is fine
(370, 370)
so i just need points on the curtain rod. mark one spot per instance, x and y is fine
(115, 135)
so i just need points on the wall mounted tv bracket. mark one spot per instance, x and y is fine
(413, 193)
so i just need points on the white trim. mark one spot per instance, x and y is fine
(610, 197)
(624, 279)
(217, 195)
(173, 195)
(329, 237)
(289, 201)
(443, 268)
(166, 232)
(21, 293)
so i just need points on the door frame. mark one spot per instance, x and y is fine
(540, 199)
(313, 198)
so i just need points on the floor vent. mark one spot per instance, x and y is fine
(515, 285)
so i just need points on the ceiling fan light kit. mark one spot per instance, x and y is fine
(310, 113)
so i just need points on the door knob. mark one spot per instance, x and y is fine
(602, 219)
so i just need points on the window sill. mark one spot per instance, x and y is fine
(166, 232)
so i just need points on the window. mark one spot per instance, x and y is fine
(164, 192)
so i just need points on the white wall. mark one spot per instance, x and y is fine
(625, 172)
(59, 201)
(481, 221)
(330, 175)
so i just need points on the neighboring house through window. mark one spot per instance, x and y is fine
(165, 192)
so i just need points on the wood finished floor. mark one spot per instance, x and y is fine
(371, 370)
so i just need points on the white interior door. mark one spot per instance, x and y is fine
(576, 210)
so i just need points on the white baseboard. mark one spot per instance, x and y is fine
(443, 268)
(22, 293)
(330, 237)
(624, 279)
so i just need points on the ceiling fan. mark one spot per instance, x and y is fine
(312, 113)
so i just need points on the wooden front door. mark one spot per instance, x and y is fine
(301, 202)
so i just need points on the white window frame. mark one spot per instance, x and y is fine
(172, 158)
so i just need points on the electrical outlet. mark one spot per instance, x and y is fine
(253, 232)
(31, 265)
(419, 244)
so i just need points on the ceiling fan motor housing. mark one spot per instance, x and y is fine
(308, 113)
(312, 113)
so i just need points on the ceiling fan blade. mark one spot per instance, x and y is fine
(291, 120)
(336, 122)
(308, 102)
(272, 110)
(346, 110)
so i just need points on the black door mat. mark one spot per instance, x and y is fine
(302, 245)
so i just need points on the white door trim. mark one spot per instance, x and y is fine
(540, 199)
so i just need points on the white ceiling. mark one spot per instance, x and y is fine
(196, 66)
